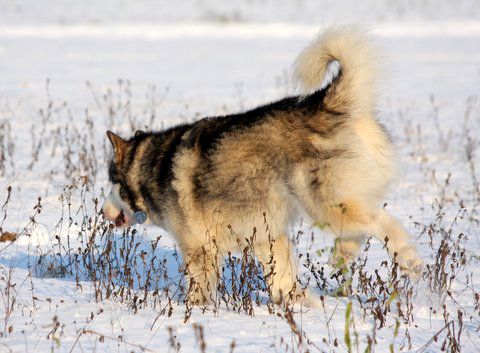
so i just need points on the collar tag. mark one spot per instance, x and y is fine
(139, 217)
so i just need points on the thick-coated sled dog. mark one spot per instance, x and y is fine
(210, 183)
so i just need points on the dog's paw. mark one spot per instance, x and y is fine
(198, 296)
(410, 263)
(311, 300)
(303, 298)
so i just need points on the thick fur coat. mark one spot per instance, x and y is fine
(217, 181)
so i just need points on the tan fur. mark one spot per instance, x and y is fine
(350, 46)
(334, 163)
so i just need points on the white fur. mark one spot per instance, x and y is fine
(113, 205)
(351, 48)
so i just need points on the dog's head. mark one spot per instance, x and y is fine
(122, 204)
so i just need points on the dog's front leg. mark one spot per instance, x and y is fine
(202, 275)
(280, 272)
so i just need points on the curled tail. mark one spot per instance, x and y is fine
(351, 90)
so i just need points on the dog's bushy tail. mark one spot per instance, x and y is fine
(351, 90)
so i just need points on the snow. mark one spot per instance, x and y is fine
(298, 11)
(179, 63)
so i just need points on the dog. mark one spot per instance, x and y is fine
(213, 182)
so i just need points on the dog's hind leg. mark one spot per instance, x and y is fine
(389, 230)
(345, 250)
(350, 221)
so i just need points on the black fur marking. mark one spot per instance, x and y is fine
(128, 162)
(128, 195)
(315, 183)
(167, 152)
(113, 174)
(207, 132)
(148, 198)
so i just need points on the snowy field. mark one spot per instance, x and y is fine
(69, 72)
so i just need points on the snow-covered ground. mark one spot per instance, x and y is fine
(71, 70)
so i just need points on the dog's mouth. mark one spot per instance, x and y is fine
(121, 220)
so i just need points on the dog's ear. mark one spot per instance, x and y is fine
(119, 146)
(139, 133)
